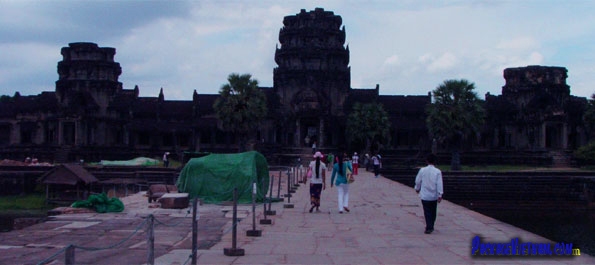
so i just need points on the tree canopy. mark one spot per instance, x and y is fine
(589, 116)
(454, 114)
(241, 106)
(368, 126)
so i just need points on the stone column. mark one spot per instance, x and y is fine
(542, 135)
(298, 140)
(196, 140)
(15, 133)
(78, 133)
(321, 133)
(60, 132)
(564, 135)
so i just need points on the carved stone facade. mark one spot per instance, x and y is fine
(536, 111)
(313, 77)
(90, 116)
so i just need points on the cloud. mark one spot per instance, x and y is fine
(408, 47)
(519, 44)
(392, 60)
(443, 62)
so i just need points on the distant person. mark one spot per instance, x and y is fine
(330, 161)
(355, 163)
(314, 147)
(339, 170)
(428, 184)
(376, 164)
(317, 181)
(367, 161)
(166, 159)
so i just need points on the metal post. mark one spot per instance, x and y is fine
(279, 186)
(151, 241)
(254, 232)
(194, 231)
(69, 256)
(288, 204)
(266, 212)
(233, 251)
(298, 176)
(270, 200)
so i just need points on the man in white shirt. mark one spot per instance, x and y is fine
(376, 163)
(428, 184)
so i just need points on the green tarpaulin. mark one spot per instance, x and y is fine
(139, 161)
(100, 203)
(212, 178)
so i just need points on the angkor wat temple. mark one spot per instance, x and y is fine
(90, 116)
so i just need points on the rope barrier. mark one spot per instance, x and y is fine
(116, 244)
(239, 193)
(47, 260)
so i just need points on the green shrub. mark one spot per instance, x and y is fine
(586, 154)
(22, 202)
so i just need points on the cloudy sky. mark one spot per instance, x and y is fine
(407, 47)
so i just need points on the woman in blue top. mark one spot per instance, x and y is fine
(339, 169)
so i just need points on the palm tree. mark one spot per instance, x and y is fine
(589, 116)
(455, 114)
(368, 125)
(241, 106)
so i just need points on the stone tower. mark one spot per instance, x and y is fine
(313, 75)
(540, 97)
(87, 82)
(88, 78)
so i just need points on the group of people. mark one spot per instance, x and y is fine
(428, 182)
(341, 165)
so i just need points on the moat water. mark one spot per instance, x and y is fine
(556, 220)
(559, 225)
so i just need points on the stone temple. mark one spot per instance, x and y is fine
(91, 116)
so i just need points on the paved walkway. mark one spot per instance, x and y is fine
(385, 226)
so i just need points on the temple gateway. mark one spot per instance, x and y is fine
(91, 116)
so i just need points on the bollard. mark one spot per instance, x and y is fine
(294, 184)
(69, 256)
(151, 240)
(266, 212)
(270, 200)
(266, 221)
(194, 231)
(289, 183)
(298, 180)
(279, 186)
(254, 232)
(288, 195)
(233, 251)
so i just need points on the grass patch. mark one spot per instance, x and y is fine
(504, 168)
(23, 202)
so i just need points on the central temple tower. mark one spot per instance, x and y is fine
(313, 76)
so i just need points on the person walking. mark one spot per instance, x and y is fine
(376, 164)
(428, 184)
(339, 170)
(166, 159)
(330, 159)
(317, 181)
(355, 163)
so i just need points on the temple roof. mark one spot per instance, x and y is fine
(44, 102)
(68, 174)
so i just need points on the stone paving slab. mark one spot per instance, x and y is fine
(113, 238)
(385, 226)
